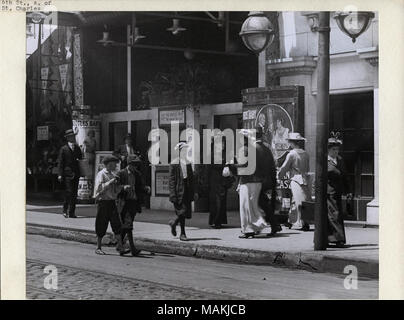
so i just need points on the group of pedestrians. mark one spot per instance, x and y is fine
(257, 190)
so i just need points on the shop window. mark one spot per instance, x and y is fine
(352, 116)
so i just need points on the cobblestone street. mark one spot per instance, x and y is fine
(81, 274)
(74, 283)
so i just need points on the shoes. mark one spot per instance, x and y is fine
(275, 230)
(123, 252)
(247, 235)
(100, 252)
(305, 228)
(72, 216)
(216, 226)
(183, 237)
(135, 252)
(288, 225)
(340, 244)
(173, 228)
(65, 215)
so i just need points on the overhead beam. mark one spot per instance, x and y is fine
(179, 16)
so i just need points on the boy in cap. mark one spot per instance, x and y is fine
(106, 190)
(133, 188)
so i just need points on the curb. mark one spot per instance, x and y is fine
(309, 261)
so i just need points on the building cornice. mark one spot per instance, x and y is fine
(371, 55)
(292, 66)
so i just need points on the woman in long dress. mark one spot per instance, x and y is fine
(337, 186)
(297, 164)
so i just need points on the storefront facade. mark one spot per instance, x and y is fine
(122, 83)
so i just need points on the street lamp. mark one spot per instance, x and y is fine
(257, 32)
(354, 23)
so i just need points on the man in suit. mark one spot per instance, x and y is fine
(69, 172)
(266, 166)
(182, 190)
(133, 189)
(124, 150)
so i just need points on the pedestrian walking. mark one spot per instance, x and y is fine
(337, 185)
(69, 172)
(182, 190)
(126, 149)
(297, 165)
(107, 187)
(133, 189)
(267, 195)
(249, 189)
(218, 184)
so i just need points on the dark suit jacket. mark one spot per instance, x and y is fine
(176, 183)
(68, 162)
(139, 186)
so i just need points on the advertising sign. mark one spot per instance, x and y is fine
(63, 75)
(162, 182)
(42, 133)
(169, 116)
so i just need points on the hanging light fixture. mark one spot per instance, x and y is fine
(176, 28)
(137, 36)
(36, 17)
(354, 23)
(257, 32)
(105, 41)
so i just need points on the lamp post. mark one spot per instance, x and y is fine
(255, 35)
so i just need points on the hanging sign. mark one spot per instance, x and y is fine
(44, 77)
(63, 75)
(42, 133)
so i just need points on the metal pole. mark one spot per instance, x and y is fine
(37, 104)
(323, 90)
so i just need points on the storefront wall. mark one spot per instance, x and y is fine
(353, 68)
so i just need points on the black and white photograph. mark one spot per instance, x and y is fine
(202, 155)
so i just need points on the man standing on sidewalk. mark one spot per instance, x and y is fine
(134, 188)
(69, 172)
(123, 151)
(106, 191)
(182, 193)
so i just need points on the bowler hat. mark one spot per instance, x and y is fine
(69, 132)
(133, 158)
(109, 159)
(295, 136)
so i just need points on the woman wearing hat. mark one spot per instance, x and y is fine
(336, 186)
(297, 164)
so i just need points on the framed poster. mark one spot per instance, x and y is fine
(162, 177)
(98, 166)
(276, 124)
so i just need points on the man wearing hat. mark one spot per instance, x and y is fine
(126, 149)
(107, 187)
(297, 164)
(133, 188)
(182, 193)
(69, 172)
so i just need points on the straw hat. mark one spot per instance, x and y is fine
(295, 136)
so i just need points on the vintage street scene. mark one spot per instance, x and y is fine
(206, 155)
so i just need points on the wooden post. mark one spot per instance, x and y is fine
(323, 90)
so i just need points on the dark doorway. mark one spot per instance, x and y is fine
(140, 130)
(352, 116)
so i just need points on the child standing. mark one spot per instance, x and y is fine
(106, 190)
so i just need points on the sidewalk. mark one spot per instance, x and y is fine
(289, 248)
